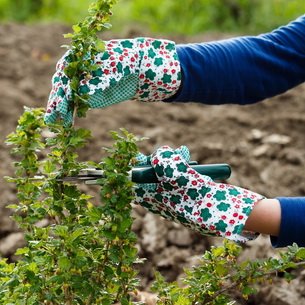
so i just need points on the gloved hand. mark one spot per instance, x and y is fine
(185, 196)
(143, 68)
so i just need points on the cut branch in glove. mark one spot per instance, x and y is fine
(144, 68)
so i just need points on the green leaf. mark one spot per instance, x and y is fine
(13, 282)
(13, 206)
(221, 269)
(108, 271)
(64, 263)
(107, 26)
(22, 251)
(61, 231)
(107, 300)
(49, 167)
(130, 251)
(59, 279)
(124, 301)
(76, 28)
(75, 234)
(218, 251)
(100, 45)
(114, 254)
(71, 69)
(68, 35)
(300, 254)
(247, 290)
(30, 276)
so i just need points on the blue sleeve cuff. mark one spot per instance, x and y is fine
(292, 228)
(243, 70)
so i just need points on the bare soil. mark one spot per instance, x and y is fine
(264, 144)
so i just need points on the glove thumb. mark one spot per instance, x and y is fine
(170, 164)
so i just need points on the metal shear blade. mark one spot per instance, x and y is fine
(146, 174)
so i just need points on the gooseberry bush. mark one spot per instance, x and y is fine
(220, 276)
(77, 252)
(81, 253)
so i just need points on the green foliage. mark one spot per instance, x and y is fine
(48, 10)
(220, 275)
(84, 46)
(86, 253)
(197, 16)
(167, 16)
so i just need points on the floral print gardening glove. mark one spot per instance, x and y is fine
(185, 196)
(146, 69)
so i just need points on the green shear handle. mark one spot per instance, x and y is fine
(146, 174)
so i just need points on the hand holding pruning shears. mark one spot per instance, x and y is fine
(194, 199)
(167, 184)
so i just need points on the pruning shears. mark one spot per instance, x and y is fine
(146, 174)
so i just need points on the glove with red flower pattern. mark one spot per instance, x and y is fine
(185, 196)
(142, 68)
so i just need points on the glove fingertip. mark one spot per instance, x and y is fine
(141, 159)
(50, 118)
(164, 163)
(68, 118)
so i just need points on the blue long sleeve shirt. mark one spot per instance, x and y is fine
(247, 70)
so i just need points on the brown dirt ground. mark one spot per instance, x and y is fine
(264, 144)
